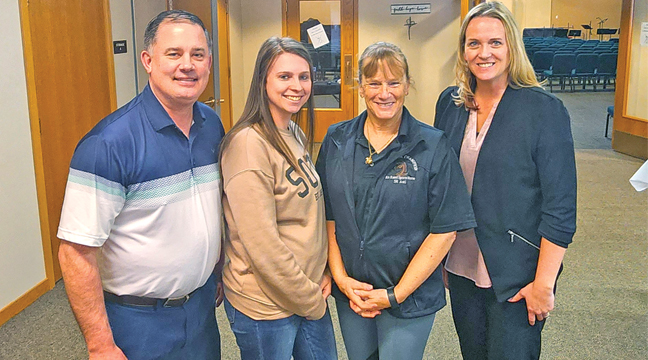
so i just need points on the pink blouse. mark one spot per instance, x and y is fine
(464, 258)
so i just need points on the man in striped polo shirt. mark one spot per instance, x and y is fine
(141, 220)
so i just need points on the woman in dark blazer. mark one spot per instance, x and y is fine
(516, 151)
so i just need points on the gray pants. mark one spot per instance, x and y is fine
(383, 337)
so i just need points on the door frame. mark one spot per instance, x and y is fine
(348, 67)
(224, 70)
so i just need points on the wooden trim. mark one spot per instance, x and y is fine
(284, 17)
(39, 169)
(356, 41)
(224, 66)
(632, 145)
(623, 123)
(465, 7)
(623, 61)
(26, 299)
(112, 83)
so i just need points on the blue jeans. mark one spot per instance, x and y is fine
(184, 332)
(280, 339)
(383, 337)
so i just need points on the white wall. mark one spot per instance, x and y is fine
(122, 29)
(21, 253)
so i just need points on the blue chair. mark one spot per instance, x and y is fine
(607, 68)
(610, 114)
(585, 70)
(542, 61)
(561, 68)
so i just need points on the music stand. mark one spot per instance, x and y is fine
(588, 28)
(560, 33)
(602, 32)
(574, 33)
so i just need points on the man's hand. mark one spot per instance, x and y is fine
(325, 285)
(220, 293)
(539, 301)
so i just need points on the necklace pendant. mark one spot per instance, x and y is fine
(368, 161)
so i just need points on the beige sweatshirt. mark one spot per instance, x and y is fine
(277, 247)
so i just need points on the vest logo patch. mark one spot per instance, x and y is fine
(403, 171)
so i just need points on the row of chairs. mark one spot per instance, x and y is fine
(577, 69)
(573, 47)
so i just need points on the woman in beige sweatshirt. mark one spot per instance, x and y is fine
(275, 281)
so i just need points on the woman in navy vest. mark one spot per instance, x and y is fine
(517, 155)
(395, 198)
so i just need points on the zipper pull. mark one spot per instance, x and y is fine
(512, 235)
(361, 248)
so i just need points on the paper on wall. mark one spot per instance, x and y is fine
(643, 40)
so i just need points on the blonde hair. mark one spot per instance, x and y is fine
(520, 70)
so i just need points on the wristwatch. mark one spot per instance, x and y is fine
(392, 298)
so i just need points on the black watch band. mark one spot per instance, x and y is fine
(392, 298)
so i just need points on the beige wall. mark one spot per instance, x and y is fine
(327, 12)
(21, 252)
(251, 23)
(531, 13)
(637, 103)
(578, 12)
(431, 51)
(122, 29)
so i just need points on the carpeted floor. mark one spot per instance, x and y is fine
(602, 301)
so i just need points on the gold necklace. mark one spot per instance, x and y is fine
(369, 159)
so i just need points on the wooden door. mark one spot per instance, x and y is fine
(334, 91)
(71, 86)
(219, 98)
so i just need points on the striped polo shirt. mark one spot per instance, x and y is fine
(149, 197)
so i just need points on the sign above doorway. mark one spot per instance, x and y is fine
(409, 9)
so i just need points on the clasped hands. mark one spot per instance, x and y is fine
(363, 298)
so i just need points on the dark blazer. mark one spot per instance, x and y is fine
(421, 191)
(525, 181)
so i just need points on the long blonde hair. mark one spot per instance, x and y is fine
(520, 70)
